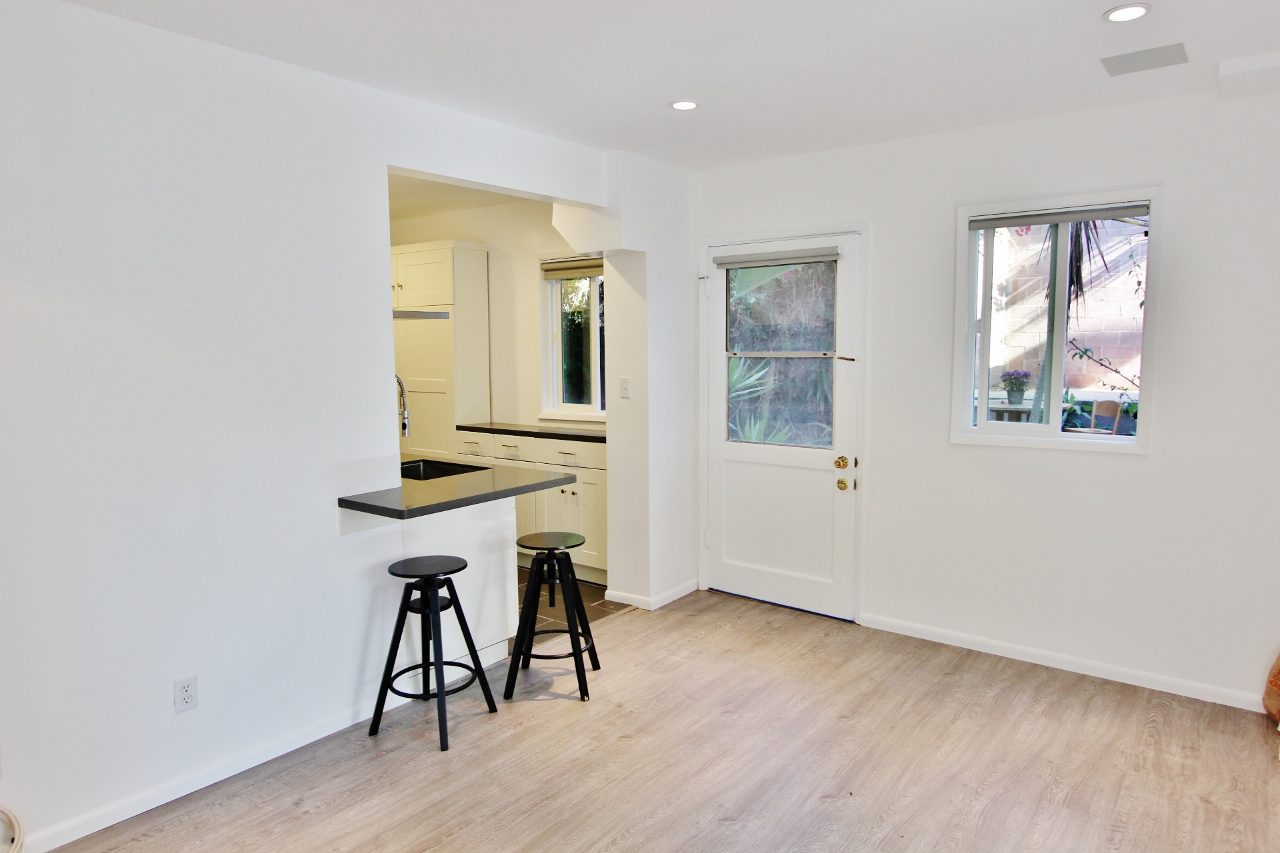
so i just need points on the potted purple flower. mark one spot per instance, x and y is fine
(1015, 385)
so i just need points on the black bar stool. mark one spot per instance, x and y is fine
(552, 567)
(427, 576)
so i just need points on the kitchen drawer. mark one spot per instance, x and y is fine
(517, 447)
(574, 454)
(472, 443)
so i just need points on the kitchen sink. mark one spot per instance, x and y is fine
(431, 469)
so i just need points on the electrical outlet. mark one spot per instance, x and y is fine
(185, 695)
(624, 387)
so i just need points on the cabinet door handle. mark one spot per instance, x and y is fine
(510, 446)
(573, 493)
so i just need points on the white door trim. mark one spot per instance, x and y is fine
(711, 245)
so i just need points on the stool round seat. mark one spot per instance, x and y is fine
(554, 541)
(427, 567)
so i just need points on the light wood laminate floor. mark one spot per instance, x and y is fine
(723, 724)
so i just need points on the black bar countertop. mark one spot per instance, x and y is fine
(571, 433)
(424, 497)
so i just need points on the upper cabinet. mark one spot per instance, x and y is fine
(442, 338)
(421, 276)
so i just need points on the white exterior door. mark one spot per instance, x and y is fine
(784, 405)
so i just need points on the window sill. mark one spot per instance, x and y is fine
(581, 417)
(1086, 443)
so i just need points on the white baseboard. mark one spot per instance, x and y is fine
(1084, 666)
(653, 602)
(179, 786)
(136, 803)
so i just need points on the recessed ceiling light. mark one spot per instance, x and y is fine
(1128, 12)
(684, 105)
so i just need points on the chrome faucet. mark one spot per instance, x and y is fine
(404, 408)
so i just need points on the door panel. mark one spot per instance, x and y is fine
(589, 504)
(751, 537)
(430, 423)
(578, 508)
(424, 361)
(424, 278)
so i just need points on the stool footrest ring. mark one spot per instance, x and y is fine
(432, 694)
(586, 644)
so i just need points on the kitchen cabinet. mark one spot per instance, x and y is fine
(575, 454)
(580, 508)
(424, 362)
(441, 303)
(472, 444)
(519, 448)
(421, 277)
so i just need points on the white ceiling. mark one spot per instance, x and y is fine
(772, 78)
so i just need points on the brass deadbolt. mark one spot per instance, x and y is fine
(842, 484)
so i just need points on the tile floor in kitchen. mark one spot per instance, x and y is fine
(553, 617)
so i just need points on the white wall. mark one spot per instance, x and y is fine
(652, 321)
(650, 221)
(193, 268)
(519, 235)
(1156, 569)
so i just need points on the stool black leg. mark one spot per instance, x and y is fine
(575, 642)
(549, 568)
(471, 646)
(391, 660)
(437, 643)
(538, 581)
(567, 571)
(424, 637)
(528, 616)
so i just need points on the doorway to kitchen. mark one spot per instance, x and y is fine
(482, 287)
(783, 337)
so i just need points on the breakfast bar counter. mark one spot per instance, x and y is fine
(413, 498)
(443, 506)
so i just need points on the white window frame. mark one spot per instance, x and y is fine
(972, 315)
(553, 407)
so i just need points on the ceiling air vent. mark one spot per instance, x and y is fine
(1145, 60)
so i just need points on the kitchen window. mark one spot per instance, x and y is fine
(574, 339)
(1050, 325)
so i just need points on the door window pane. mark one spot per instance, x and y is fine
(780, 401)
(784, 308)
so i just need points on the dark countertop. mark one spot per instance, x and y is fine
(570, 433)
(424, 497)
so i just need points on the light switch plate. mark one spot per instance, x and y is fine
(624, 387)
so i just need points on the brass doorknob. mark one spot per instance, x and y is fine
(842, 484)
(842, 462)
